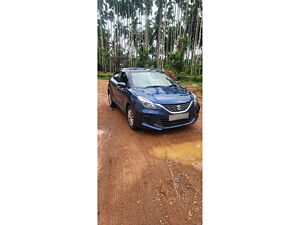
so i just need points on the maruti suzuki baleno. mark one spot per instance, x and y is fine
(151, 99)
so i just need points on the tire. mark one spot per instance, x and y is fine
(110, 101)
(131, 118)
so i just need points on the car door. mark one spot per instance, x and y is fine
(114, 87)
(122, 92)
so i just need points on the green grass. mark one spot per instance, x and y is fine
(108, 73)
(190, 83)
(104, 76)
(188, 78)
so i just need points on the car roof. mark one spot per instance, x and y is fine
(131, 69)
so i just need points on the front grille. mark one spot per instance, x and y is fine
(167, 123)
(177, 107)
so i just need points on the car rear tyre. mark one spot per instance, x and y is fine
(131, 118)
(110, 101)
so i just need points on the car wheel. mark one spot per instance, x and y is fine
(131, 118)
(110, 101)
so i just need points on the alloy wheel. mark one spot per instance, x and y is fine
(109, 99)
(130, 117)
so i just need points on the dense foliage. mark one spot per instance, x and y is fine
(164, 34)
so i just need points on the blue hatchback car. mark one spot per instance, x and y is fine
(151, 99)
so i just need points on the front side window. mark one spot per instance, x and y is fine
(117, 77)
(150, 79)
(123, 78)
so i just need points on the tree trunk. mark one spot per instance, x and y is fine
(159, 40)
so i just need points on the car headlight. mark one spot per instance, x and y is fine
(146, 103)
(195, 99)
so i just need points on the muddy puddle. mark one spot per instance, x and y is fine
(187, 153)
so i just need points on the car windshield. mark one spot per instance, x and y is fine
(147, 79)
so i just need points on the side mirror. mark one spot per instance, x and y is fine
(121, 84)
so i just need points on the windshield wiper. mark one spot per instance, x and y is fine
(173, 85)
(153, 86)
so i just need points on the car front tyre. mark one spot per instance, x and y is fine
(110, 101)
(131, 118)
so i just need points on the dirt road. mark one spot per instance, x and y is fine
(143, 178)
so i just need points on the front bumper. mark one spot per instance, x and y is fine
(159, 119)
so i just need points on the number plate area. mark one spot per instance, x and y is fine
(180, 116)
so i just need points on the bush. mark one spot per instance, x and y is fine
(183, 77)
(197, 79)
(180, 76)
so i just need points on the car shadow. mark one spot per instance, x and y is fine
(172, 131)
